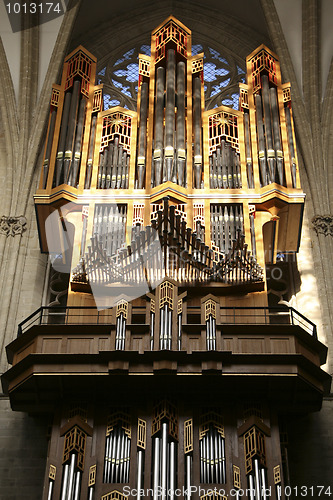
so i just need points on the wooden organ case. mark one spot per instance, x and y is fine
(167, 369)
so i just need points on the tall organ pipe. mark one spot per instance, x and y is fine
(91, 152)
(164, 460)
(276, 131)
(62, 138)
(197, 132)
(142, 135)
(71, 129)
(139, 476)
(78, 142)
(156, 469)
(159, 111)
(291, 146)
(169, 114)
(249, 167)
(48, 147)
(180, 135)
(268, 128)
(261, 142)
(172, 484)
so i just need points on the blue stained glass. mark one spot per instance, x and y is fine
(102, 72)
(125, 57)
(196, 49)
(132, 72)
(125, 90)
(108, 102)
(240, 71)
(216, 55)
(145, 49)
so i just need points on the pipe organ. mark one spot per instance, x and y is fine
(180, 366)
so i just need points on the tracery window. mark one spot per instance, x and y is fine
(222, 74)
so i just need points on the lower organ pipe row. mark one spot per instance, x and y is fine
(117, 457)
(109, 225)
(226, 221)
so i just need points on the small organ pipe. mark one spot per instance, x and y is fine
(172, 483)
(197, 132)
(49, 147)
(49, 495)
(120, 168)
(263, 484)
(188, 474)
(253, 236)
(169, 114)
(73, 174)
(142, 135)
(164, 457)
(71, 129)
(91, 152)
(62, 138)
(252, 490)
(180, 135)
(77, 486)
(291, 146)
(257, 478)
(268, 128)
(115, 162)
(276, 131)
(64, 482)
(71, 477)
(261, 142)
(156, 469)
(159, 111)
(139, 475)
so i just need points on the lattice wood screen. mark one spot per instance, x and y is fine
(223, 125)
(188, 436)
(75, 440)
(169, 32)
(210, 309)
(117, 124)
(142, 433)
(114, 495)
(211, 417)
(254, 445)
(260, 62)
(166, 294)
(166, 410)
(122, 308)
(92, 476)
(236, 477)
(79, 65)
(122, 418)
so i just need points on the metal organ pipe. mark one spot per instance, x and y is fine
(265, 178)
(197, 132)
(159, 112)
(169, 115)
(142, 135)
(71, 129)
(48, 147)
(156, 469)
(91, 152)
(180, 134)
(172, 469)
(164, 458)
(268, 128)
(139, 476)
(188, 474)
(276, 131)
(291, 146)
(62, 138)
(249, 167)
(72, 177)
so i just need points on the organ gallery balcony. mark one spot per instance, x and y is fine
(136, 347)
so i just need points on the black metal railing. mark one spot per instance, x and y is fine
(75, 315)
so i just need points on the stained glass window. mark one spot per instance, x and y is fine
(222, 74)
